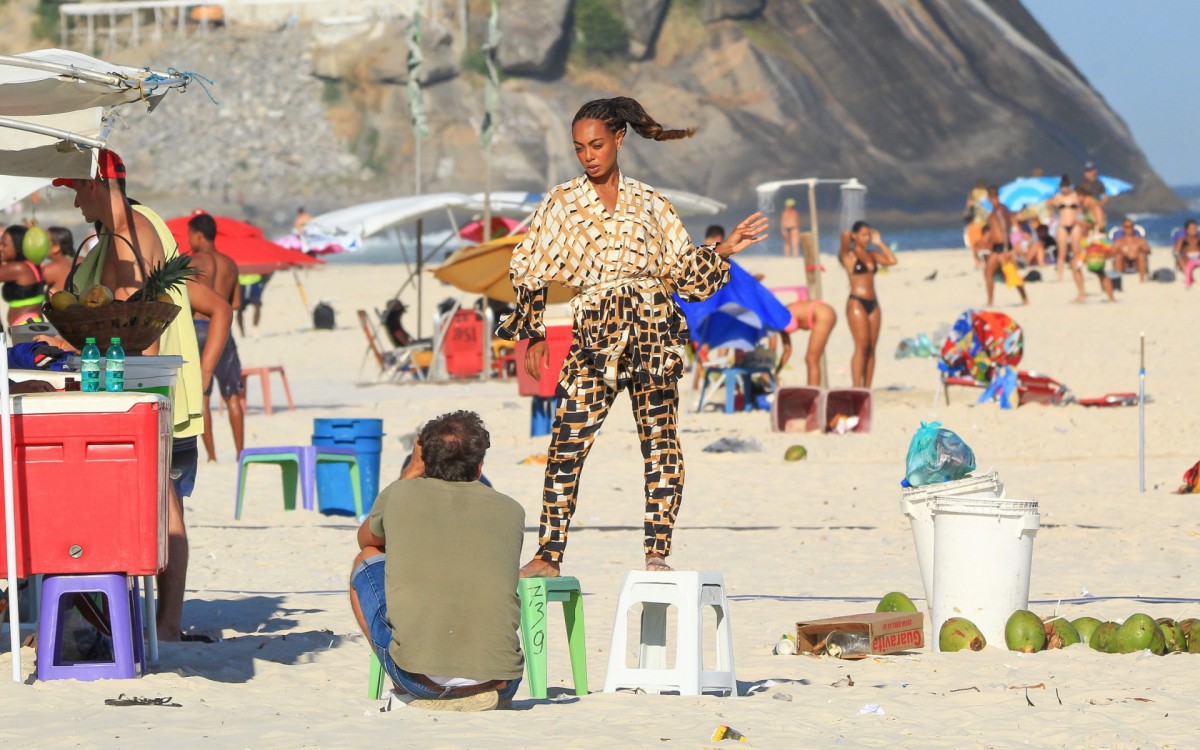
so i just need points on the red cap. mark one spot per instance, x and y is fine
(108, 166)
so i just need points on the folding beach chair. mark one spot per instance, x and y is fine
(395, 363)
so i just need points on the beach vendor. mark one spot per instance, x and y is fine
(623, 247)
(445, 633)
(131, 238)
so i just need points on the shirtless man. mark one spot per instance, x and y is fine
(789, 224)
(999, 229)
(218, 272)
(1130, 249)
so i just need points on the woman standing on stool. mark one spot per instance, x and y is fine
(862, 309)
(622, 246)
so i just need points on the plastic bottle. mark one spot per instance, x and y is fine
(89, 368)
(845, 643)
(114, 367)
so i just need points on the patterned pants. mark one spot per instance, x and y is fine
(580, 415)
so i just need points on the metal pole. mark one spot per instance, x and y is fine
(487, 194)
(812, 265)
(420, 280)
(1142, 419)
(10, 512)
(462, 23)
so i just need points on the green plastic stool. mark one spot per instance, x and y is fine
(375, 681)
(535, 593)
(299, 466)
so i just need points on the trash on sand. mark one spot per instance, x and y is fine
(534, 458)
(782, 697)
(728, 733)
(872, 708)
(734, 445)
(123, 700)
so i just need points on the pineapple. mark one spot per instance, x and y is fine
(165, 277)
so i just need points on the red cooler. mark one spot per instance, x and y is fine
(463, 346)
(90, 484)
(558, 343)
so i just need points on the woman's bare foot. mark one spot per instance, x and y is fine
(657, 564)
(539, 568)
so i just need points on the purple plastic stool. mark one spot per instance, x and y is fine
(125, 625)
(298, 462)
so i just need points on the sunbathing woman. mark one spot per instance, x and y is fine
(1070, 229)
(818, 319)
(621, 244)
(862, 309)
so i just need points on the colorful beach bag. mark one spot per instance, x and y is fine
(981, 341)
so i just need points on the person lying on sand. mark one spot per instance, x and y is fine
(446, 634)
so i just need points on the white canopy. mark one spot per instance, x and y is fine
(13, 189)
(55, 107)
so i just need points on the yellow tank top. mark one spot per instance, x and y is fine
(179, 338)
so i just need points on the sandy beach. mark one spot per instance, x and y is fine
(794, 541)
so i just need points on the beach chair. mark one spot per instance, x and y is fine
(1032, 388)
(395, 364)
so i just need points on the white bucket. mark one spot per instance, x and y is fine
(914, 503)
(983, 550)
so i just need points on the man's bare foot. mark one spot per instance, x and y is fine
(539, 568)
(1080, 298)
(657, 564)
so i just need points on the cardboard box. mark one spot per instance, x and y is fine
(889, 631)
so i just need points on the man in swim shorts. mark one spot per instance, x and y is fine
(218, 272)
(1130, 250)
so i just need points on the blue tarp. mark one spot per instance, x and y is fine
(737, 316)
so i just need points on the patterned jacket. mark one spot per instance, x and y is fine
(625, 266)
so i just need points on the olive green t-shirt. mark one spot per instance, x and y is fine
(453, 552)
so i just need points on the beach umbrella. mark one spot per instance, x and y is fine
(1113, 186)
(310, 244)
(738, 316)
(501, 226)
(1027, 191)
(483, 269)
(245, 244)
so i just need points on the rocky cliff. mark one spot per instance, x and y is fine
(916, 98)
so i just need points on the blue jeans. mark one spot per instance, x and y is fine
(368, 583)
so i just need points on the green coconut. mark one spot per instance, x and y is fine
(959, 633)
(795, 453)
(1024, 632)
(1104, 638)
(1060, 633)
(1191, 634)
(36, 245)
(895, 602)
(1085, 626)
(1139, 632)
(1173, 637)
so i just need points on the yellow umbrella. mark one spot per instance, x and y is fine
(483, 269)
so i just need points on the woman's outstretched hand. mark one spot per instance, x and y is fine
(749, 232)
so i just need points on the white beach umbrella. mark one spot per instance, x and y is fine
(56, 105)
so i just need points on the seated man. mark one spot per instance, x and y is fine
(1130, 250)
(445, 630)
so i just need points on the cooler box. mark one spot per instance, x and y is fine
(335, 494)
(558, 341)
(462, 348)
(90, 483)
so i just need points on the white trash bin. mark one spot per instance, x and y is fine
(983, 551)
(914, 503)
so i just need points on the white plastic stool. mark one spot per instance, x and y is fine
(689, 592)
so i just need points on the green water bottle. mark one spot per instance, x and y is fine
(89, 368)
(114, 367)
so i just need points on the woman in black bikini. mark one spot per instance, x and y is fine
(1067, 203)
(862, 309)
(23, 289)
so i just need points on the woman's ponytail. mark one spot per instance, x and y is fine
(621, 111)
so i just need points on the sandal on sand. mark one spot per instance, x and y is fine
(488, 700)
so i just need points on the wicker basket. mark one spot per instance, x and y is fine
(138, 324)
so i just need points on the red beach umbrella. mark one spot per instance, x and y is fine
(245, 244)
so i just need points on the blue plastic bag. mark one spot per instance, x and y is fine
(937, 455)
